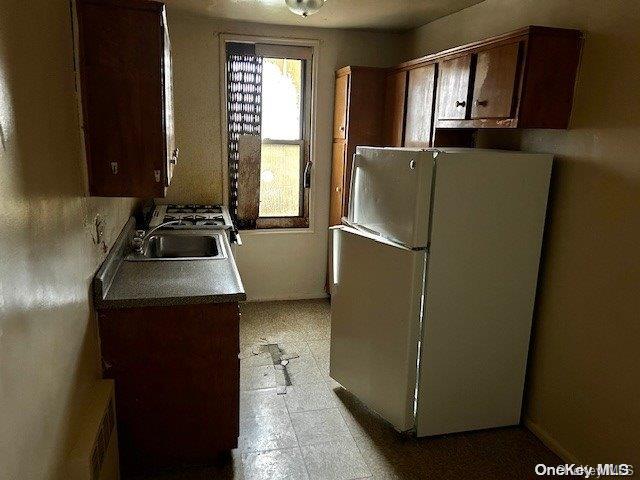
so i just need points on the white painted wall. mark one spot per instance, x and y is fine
(276, 264)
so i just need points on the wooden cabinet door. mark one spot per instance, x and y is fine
(453, 88)
(340, 107)
(420, 91)
(337, 183)
(123, 98)
(171, 149)
(495, 80)
(394, 109)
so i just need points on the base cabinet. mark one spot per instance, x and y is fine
(177, 381)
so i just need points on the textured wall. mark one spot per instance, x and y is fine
(48, 355)
(272, 264)
(583, 384)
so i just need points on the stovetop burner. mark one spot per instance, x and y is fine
(192, 216)
(194, 208)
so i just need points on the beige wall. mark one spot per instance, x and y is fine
(48, 355)
(583, 386)
(273, 265)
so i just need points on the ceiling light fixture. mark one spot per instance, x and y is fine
(304, 7)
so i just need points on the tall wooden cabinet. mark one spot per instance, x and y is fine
(358, 120)
(126, 94)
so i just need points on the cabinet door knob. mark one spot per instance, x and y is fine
(481, 103)
(461, 104)
(338, 189)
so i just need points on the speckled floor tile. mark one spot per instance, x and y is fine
(319, 426)
(314, 396)
(274, 464)
(267, 432)
(336, 460)
(258, 403)
(253, 378)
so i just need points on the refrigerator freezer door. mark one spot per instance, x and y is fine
(375, 315)
(391, 192)
(487, 223)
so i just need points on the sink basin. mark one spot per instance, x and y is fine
(175, 246)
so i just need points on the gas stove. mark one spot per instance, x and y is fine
(192, 217)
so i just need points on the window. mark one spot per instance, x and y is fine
(268, 123)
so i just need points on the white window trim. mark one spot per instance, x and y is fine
(225, 38)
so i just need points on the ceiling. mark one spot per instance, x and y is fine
(391, 15)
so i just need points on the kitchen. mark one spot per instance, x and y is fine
(64, 324)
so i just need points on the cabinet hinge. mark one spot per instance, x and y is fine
(157, 175)
(114, 168)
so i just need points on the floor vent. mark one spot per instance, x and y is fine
(101, 443)
(94, 455)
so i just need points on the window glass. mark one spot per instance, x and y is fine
(281, 97)
(280, 180)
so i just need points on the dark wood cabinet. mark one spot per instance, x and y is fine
(358, 118)
(420, 101)
(453, 87)
(126, 94)
(177, 375)
(523, 79)
(394, 109)
(495, 82)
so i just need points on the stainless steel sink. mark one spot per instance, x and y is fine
(181, 246)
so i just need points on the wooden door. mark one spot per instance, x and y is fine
(337, 200)
(419, 119)
(340, 107)
(453, 88)
(394, 109)
(495, 80)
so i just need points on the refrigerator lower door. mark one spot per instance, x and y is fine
(375, 321)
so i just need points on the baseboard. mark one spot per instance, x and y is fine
(298, 296)
(550, 442)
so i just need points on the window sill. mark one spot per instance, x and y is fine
(277, 231)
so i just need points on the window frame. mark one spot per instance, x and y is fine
(280, 48)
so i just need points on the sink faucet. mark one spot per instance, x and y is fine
(140, 238)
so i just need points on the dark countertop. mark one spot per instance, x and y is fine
(121, 284)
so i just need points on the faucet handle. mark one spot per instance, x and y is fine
(137, 243)
(139, 233)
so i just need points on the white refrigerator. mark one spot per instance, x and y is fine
(434, 282)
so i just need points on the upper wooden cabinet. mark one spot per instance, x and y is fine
(394, 108)
(523, 79)
(495, 82)
(420, 99)
(340, 107)
(454, 88)
(357, 120)
(126, 95)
